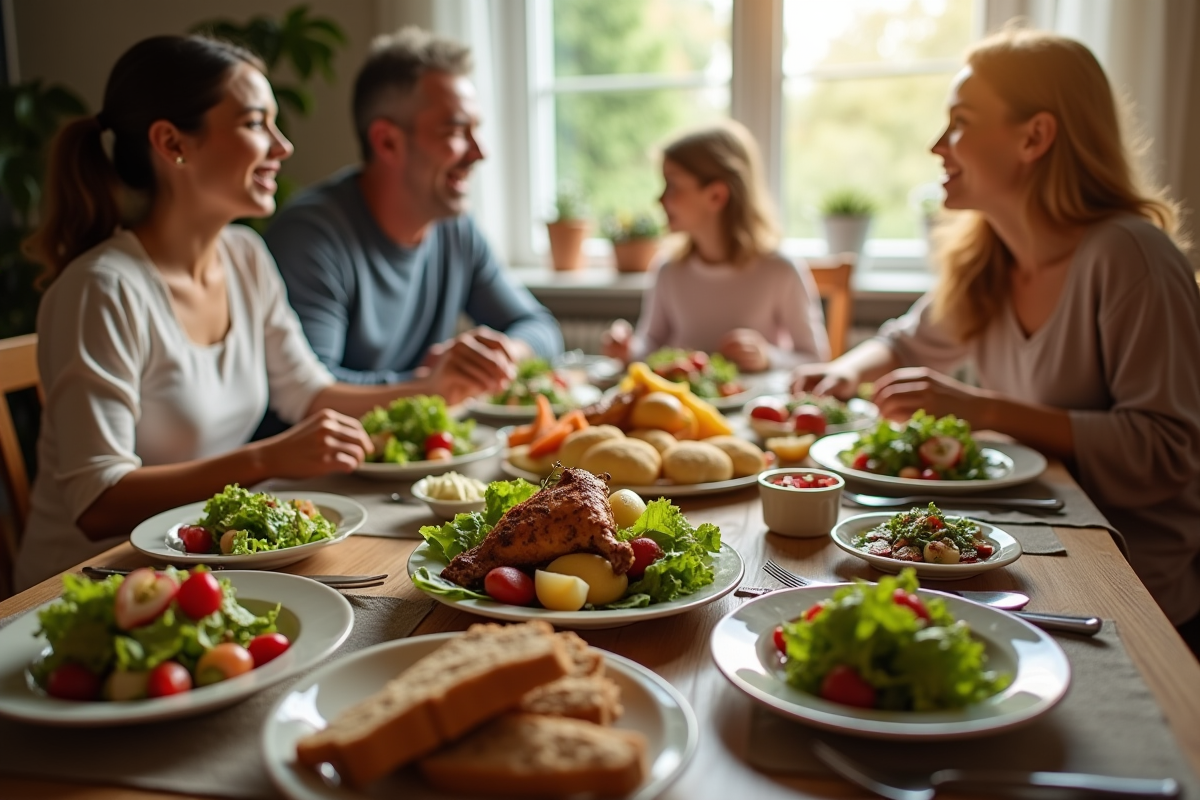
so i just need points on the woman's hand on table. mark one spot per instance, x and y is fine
(903, 391)
(323, 442)
(830, 379)
(747, 349)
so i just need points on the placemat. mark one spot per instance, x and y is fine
(216, 755)
(1109, 723)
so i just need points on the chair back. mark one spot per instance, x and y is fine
(833, 284)
(18, 370)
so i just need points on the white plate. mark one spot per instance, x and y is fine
(157, 537)
(865, 414)
(662, 488)
(581, 394)
(316, 618)
(734, 401)
(1007, 551)
(486, 445)
(744, 650)
(1010, 465)
(727, 568)
(652, 707)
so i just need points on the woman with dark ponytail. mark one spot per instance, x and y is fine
(159, 343)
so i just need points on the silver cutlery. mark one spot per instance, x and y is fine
(1059, 623)
(877, 501)
(333, 581)
(396, 497)
(1005, 601)
(909, 786)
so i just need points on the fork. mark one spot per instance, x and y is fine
(909, 786)
(333, 581)
(877, 501)
(1061, 623)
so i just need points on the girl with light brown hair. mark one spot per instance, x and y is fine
(1061, 279)
(728, 289)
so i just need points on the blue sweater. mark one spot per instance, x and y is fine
(371, 308)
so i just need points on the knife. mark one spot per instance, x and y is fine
(955, 501)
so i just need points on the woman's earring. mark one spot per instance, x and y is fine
(179, 160)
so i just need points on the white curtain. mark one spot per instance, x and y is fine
(1145, 47)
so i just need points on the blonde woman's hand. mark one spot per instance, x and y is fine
(323, 442)
(903, 391)
(825, 379)
(747, 349)
(617, 340)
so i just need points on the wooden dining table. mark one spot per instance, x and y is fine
(1093, 579)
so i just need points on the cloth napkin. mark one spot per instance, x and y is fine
(1109, 723)
(215, 755)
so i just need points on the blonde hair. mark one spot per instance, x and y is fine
(728, 153)
(1088, 174)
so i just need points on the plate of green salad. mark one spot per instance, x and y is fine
(418, 436)
(101, 655)
(711, 377)
(255, 530)
(936, 546)
(889, 661)
(535, 377)
(927, 455)
(691, 567)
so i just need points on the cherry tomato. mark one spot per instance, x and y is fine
(439, 454)
(903, 598)
(843, 685)
(940, 451)
(809, 419)
(267, 647)
(142, 596)
(169, 677)
(780, 644)
(226, 660)
(442, 440)
(71, 681)
(645, 552)
(509, 585)
(930, 475)
(195, 539)
(769, 409)
(813, 611)
(200, 595)
(862, 461)
(699, 359)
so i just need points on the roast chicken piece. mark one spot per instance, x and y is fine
(572, 517)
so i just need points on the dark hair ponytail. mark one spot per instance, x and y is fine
(172, 78)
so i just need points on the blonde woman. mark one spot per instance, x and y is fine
(1060, 279)
(728, 290)
(158, 344)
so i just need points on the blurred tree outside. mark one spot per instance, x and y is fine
(607, 142)
(868, 133)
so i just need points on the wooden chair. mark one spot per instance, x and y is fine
(18, 370)
(833, 283)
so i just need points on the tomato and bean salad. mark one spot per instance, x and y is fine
(926, 535)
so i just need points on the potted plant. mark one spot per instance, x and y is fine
(846, 215)
(567, 230)
(634, 239)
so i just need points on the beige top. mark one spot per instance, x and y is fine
(125, 386)
(1120, 354)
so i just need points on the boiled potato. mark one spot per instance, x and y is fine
(791, 449)
(560, 592)
(626, 507)
(596, 573)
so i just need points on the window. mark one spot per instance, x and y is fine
(851, 95)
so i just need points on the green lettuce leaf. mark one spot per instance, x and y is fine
(503, 495)
(456, 536)
(686, 564)
(427, 582)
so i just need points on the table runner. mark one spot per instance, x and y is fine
(1109, 724)
(216, 754)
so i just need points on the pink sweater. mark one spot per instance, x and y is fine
(693, 304)
(1119, 353)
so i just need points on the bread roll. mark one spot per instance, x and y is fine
(697, 462)
(661, 440)
(519, 457)
(629, 462)
(579, 442)
(747, 458)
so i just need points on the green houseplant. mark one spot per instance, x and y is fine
(568, 230)
(634, 239)
(846, 216)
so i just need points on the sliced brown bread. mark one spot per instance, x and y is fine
(527, 755)
(588, 697)
(584, 660)
(463, 683)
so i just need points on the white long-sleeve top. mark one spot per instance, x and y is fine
(1119, 354)
(126, 387)
(693, 304)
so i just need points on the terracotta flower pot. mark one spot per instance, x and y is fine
(635, 255)
(566, 243)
